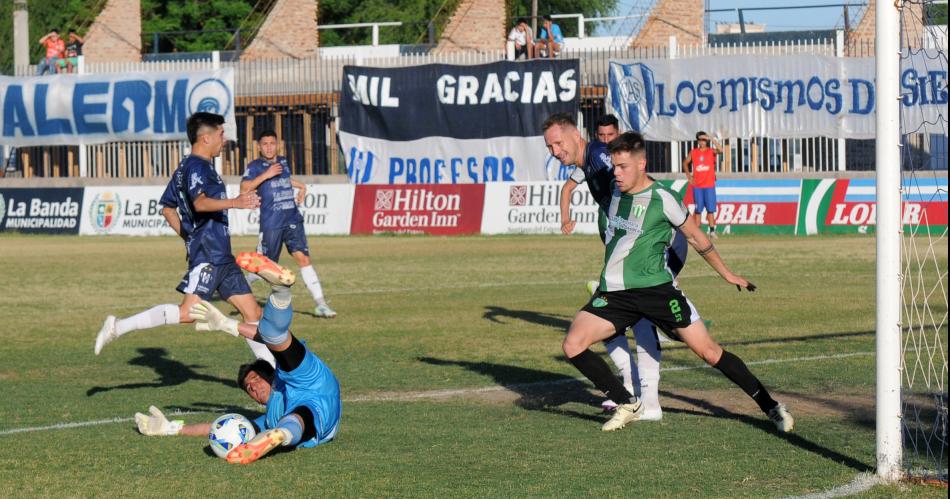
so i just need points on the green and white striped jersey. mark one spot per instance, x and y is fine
(640, 228)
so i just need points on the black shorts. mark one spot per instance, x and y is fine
(664, 305)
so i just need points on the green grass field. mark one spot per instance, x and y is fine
(454, 384)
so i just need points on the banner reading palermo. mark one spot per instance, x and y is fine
(73, 109)
(446, 124)
(770, 96)
(422, 209)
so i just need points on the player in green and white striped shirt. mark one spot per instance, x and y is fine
(637, 283)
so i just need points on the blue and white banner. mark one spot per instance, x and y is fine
(769, 96)
(73, 109)
(446, 124)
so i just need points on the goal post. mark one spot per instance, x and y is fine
(888, 234)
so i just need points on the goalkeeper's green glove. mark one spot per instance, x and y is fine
(209, 318)
(157, 424)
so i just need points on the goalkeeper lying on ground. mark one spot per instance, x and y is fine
(302, 396)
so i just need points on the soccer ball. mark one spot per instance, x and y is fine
(229, 431)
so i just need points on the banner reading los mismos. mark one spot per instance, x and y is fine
(91, 109)
(771, 96)
(447, 124)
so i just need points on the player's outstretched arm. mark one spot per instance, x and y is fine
(207, 317)
(698, 240)
(156, 424)
(245, 200)
(567, 225)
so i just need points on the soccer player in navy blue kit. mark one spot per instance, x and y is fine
(281, 223)
(302, 396)
(195, 204)
(592, 165)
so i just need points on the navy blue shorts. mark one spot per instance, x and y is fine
(293, 236)
(204, 279)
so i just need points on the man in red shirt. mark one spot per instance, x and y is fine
(54, 52)
(702, 176)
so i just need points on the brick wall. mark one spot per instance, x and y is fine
(680, 18)
(116, 35)
(861, 39)
(477, 25)
(290, 31)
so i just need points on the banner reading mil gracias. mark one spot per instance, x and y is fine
(446, 124)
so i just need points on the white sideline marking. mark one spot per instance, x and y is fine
(430, 394)
(861, 483)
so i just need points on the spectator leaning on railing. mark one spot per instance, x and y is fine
(54, 52)
(550, 39)
(523, 38)
(73, 51)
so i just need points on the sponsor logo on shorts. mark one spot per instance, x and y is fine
(599, 302)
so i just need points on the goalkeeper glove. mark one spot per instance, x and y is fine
(157, 424)
(209, 318)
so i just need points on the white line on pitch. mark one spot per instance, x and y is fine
(430, 394)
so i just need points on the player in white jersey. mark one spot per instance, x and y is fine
(636, 283)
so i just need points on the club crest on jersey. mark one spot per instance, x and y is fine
(104, 211)
(639, 210)
(599, 302)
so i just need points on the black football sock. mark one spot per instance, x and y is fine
(598, 372)
(738, 373)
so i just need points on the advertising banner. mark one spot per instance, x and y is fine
(327, 209)
(124, 210)
(770, 96)
(847, 206)
(761, 206)
(533, 207)
(70, 109)
(422, 209)
(447, 124)
(41, 211)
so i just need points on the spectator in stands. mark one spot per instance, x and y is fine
(54, 52)
(73, 51)
(550, 39)
(523, 39)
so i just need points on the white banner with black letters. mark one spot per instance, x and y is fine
(70, 109)
(770, 96)
(447, 124)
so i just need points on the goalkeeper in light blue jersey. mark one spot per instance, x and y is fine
(302, 395)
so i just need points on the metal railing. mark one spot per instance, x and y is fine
(299, 98)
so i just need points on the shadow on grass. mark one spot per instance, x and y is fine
(170, 372)
(562, 323)
(709, 409)
(538, 390)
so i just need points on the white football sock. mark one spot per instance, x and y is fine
(312, 282)
(648, 360)
(619, 350)
(261, 351)
(252, 278)
(158, 315)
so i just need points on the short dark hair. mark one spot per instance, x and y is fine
(699, 134)
(266, 133)
(630, 142)
(561, 119)
(261, 367)
(608, 120)
(546, 17)
(54, 30)
(521, 20)
(202, 119)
